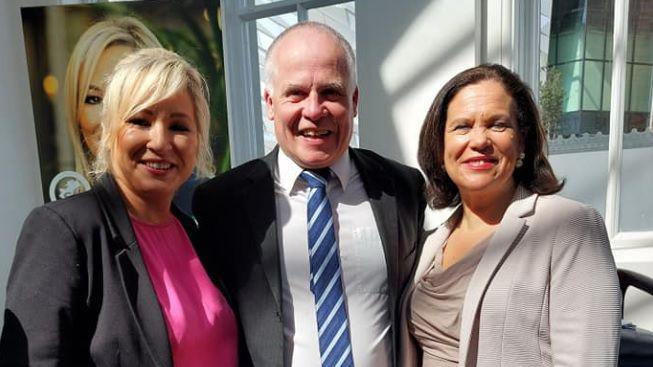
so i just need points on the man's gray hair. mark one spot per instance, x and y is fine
(270, 67)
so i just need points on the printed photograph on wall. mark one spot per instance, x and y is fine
(71, 49)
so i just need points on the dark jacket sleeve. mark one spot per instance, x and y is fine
(42, 322)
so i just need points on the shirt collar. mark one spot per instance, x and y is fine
(288, 171)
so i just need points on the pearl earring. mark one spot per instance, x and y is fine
(520, 160)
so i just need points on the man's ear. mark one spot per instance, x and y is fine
(354, 100)
(267, 97)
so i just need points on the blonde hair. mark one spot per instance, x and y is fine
(81, 65)
(141, 80)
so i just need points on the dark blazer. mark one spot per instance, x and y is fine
(79, 293)
(236, 212)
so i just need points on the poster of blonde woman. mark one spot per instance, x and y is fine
(71, 51)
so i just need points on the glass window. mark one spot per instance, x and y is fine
(640, 100)
(607, 86)
(267, 29)
(637, 166)
(571, 82)
(580, 47)
(592, 86)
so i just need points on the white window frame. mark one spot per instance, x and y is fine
(524, 60)
(242, 78)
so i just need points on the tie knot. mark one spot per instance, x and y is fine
(316, 177)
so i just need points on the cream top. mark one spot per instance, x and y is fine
(436, 305)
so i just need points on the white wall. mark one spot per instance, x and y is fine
(20, 190)
(406, 51)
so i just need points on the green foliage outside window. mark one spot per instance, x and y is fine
(551, 98)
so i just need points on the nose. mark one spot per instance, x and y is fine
(159, 139)
(313, 109)
(478, 138)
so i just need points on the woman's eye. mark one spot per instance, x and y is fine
(500, 126)
(460, 127)
(138, 121)
(93, 100)
(179, 127)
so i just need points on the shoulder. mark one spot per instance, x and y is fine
(77, 211)
(564, 209)
(230, 187)
(60, 229)
(569, 222)
(369, 158)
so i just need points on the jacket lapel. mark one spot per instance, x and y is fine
(432, 245)
(261, 206)
(143, 304)
(510, 231)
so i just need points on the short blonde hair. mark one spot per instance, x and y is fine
(141, 80)
(83, 60)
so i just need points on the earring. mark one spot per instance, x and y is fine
(520, 160)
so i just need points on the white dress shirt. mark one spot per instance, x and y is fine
(362, 262)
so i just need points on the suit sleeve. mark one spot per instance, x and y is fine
(585, 302)
(43, 296)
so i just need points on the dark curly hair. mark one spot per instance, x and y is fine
(535, 174)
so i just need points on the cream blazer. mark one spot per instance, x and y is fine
(545, 292)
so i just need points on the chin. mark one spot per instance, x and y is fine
(316, 160)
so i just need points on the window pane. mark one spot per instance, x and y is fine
(579, 46)
(607, 86)
(595, 37)
(580, 37)
(586, 176)
(571, 82)
(595, 44)
(640, 100)
(592, 86)
(267, 29)
(570, 45)
(636, 214)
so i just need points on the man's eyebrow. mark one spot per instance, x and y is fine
(333, 85)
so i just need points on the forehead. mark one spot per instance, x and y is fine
(485, 96)
(107, 61)
(307, 52)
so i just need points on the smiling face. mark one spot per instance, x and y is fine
(312, 101)
(156, 149)
(481, 139)
(90, 110)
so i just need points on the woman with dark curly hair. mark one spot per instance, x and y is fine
(517, 276)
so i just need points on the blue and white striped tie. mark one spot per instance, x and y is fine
(326, 278)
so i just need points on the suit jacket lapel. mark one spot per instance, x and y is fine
(510, 231)
(261, 205)
(143, 304)
(380, 189)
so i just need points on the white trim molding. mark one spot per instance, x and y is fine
(616, 117)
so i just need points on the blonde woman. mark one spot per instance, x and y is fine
(93, 58)
(110, 277)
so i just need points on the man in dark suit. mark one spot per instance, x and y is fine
(315, 240)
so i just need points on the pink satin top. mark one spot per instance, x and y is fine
(201, 326)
